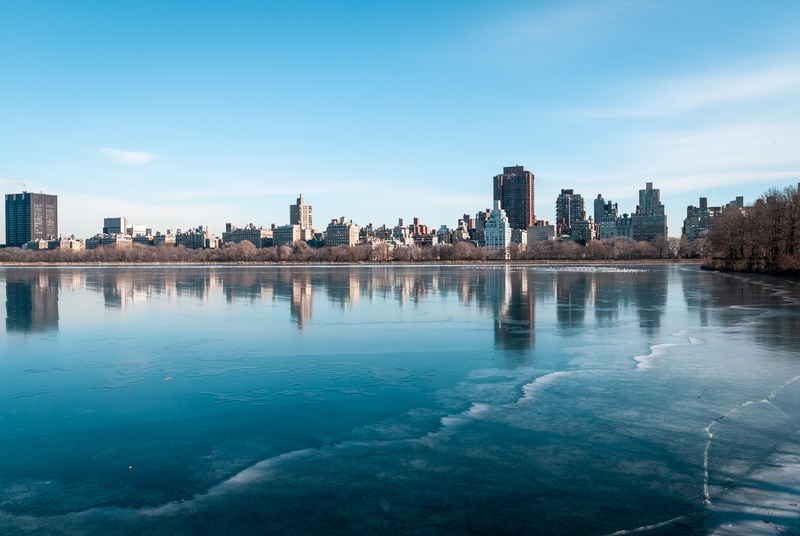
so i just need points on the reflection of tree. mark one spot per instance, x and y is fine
(31, 301)
(726, 298)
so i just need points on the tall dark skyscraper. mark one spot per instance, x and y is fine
(514, 190)
(569, 208)
(30, 217)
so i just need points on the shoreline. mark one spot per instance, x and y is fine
(743, 267)
(526, 262)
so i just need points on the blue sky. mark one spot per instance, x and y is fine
(177, 114)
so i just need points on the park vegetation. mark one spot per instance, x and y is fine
(764, 237)
(617, 249)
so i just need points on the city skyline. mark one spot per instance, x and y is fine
(511, 222)
(167, 114)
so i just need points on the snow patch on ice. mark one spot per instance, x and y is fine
(644, 362)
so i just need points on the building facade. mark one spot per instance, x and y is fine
(258, 236)
(300, 213)
(498, 228)
(606, 215)
(541, 232)
(30, 217)
(115, 225)
(624, 226)
(698, 219)
(286, 235)
(584, 230)
(650, 220)
(341, 233)
(569, 209)
(514, 188)
(197, 238)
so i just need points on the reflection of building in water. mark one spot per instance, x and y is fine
(283, 284)
(121, 288)
(572, 291)
(302, 296)
(31, 302)
(344, 286)
(241, 284)
(73, 280)
(514, 319)
(650, 298)
(606, 292)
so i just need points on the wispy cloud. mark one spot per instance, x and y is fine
(680, 95)
(13, 184)
(566, 21)
(128, 158)
(546, 33)
(733, 154)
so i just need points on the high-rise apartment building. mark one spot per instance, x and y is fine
(115, 225)
(300, 213)
(30, 217)
(699, 219)
(649, 221)
(569, 210)
(599, 207)
(341, 233)
(605, 216)
(498, 228)
(258, 236)
(514, 190)
(650, 200)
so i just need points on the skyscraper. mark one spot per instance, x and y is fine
(498, 229)
(30, 217)
(650, 219)
(599, 207)
(300, 214)
(569, 210)
(650, 200)
(514, 190)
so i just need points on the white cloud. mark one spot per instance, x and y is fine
(771, 81)
(545, 34)
(128, 158)
(567, 22)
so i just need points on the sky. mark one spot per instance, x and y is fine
(178, 114)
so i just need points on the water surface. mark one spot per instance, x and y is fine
(379, 399)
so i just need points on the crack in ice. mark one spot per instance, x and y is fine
(731, 412)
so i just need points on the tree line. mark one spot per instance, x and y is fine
(763, 237)
(619, 248)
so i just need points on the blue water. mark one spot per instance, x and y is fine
(409, 400)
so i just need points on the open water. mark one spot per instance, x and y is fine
(398, 400)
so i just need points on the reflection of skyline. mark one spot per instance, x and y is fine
(121, 289)
(508, 294)
(31, 301)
